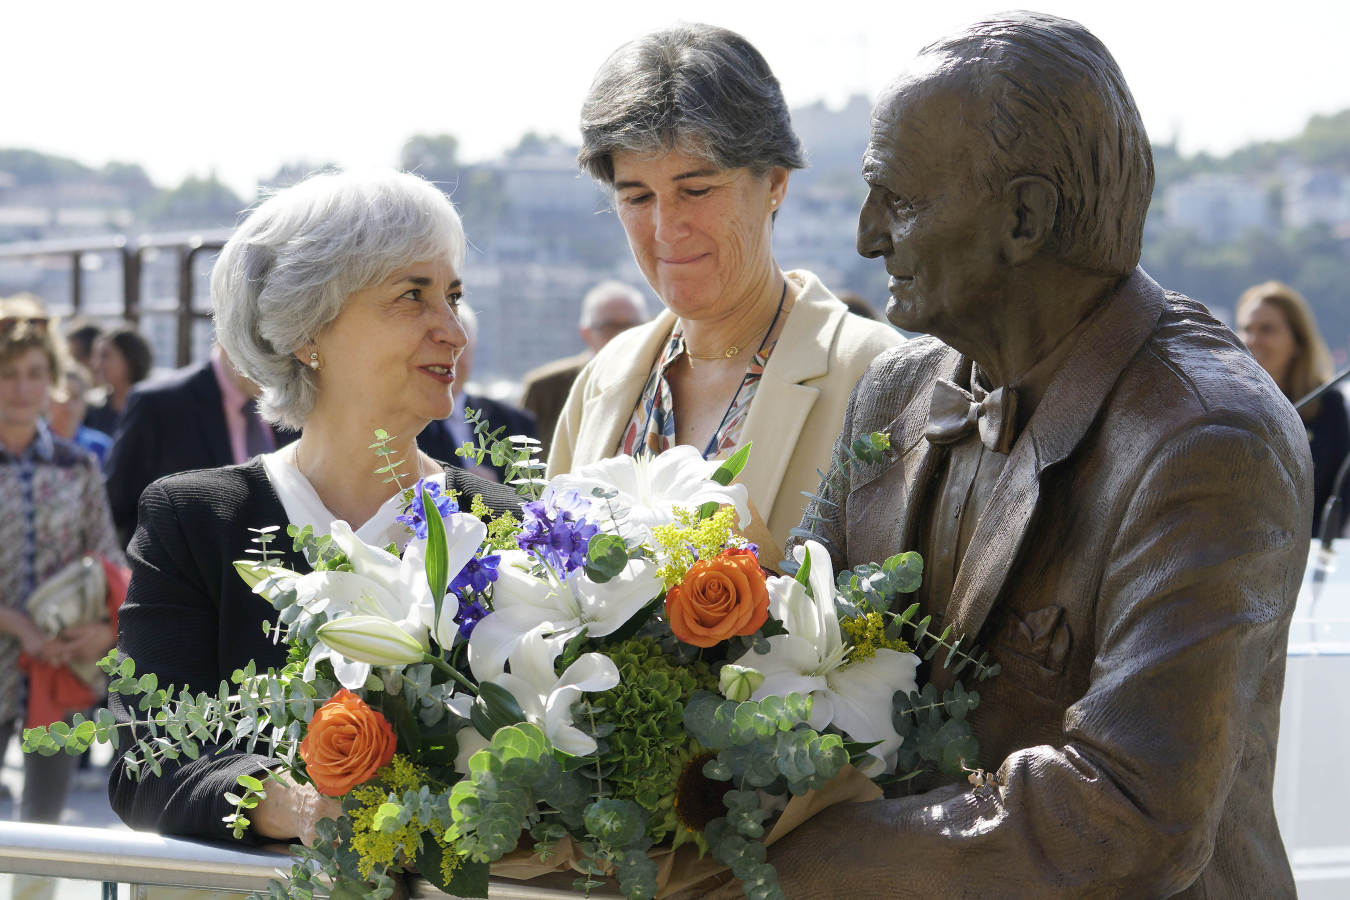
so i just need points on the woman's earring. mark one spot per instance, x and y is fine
(314, 360)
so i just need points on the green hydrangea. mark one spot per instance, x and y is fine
(649, 747)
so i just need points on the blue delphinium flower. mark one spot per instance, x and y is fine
(414, 515)
(469, 616)
(556, 531)
(477, 574)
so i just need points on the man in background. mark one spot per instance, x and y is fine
(607, 309)
(199, 417)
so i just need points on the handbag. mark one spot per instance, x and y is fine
(76, 595)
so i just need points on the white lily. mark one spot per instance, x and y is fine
(387, 587)
(650, 488)
(545, 698)
(812, 659)
(522, 603)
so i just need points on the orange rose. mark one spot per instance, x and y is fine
(718, 598)
(347, 743)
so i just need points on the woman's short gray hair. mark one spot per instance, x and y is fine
(702, 90)
(289, 268)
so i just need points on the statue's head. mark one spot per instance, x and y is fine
(1013, 141)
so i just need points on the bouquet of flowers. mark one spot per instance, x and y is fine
(611, 684)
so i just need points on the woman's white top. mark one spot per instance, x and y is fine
(303, 506)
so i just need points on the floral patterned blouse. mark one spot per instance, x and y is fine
(55, 510)
(651, 428)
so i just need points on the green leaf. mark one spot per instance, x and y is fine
(495, 707)
(804, 573)
(733, 465)
(250, 783)
(906, 572)
(470, 879)
(606, 557)
(438, 560)
(615, 822)
(389, 817)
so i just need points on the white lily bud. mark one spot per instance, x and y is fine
(739, 682)
(373, 640)
(272, 578)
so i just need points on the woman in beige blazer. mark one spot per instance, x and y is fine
(688, 129)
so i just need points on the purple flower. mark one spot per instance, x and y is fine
(476, 575)
(469, 617)
(414, 514)
(556, 531)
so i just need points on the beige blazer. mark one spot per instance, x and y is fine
(794, 417)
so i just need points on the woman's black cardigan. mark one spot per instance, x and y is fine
(190, 619)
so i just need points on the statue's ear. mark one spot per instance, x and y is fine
(1032, 202)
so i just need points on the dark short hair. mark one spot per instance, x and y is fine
(81, 333)
(1058, 107)
(700, 89)
(135, 349)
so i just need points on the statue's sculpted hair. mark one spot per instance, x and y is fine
(1058, 107)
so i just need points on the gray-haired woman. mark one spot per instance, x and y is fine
(689, 130)
(338, 297)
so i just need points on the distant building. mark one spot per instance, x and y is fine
(1219, 208)
(1317, 197)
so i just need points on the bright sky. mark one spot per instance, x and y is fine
(240, 87)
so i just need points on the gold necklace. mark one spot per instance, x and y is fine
(734, 349)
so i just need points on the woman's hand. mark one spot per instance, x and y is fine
(89, 642)
(17, 623)
(290, 811)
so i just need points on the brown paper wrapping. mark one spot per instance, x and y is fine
(683, 868)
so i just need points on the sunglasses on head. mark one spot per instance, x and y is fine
(10, 324)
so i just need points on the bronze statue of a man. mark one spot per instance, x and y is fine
(1110, 495)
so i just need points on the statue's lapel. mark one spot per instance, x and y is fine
(1061, 420)
(885, 507)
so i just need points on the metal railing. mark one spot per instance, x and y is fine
(138, 859)
(133, 255)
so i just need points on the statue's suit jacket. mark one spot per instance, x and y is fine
(1134, 574)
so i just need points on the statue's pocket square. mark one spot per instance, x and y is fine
(1040, 635)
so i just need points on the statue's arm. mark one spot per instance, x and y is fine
(1192, 617)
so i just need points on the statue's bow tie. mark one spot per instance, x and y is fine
(954, 412)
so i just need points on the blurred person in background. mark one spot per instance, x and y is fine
(688, 129)
(607, 309)
(122, 358)
(68, 408)
(81, 333)
(338, 297)
(55, 516)
(1278, 327)
(442, 437)
(199, 417)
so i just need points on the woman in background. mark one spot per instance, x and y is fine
(1278, 327)
(122, 358)
(55, 512)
